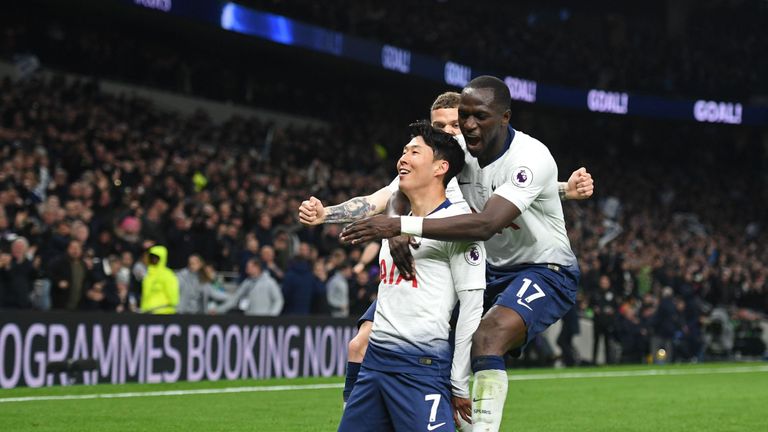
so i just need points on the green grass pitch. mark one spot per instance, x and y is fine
(721, 397)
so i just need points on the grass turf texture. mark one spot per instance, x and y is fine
(697, 399)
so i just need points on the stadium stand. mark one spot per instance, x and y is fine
(677, 228)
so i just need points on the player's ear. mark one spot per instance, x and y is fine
(506, 117)
(441, 167)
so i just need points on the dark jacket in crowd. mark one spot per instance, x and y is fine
(16, 285)
(298, 288)
(60, 271)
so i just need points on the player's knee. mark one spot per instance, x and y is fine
(357, 347)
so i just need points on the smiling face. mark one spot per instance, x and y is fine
(483, 122)
(417, 166)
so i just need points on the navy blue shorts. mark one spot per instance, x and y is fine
(540, 293)
(387, 401)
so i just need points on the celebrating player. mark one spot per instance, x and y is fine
(444, 115)
(510, 179)
(410, 371)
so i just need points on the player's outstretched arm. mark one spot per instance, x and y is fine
(579, 186)
(312, 211)
(497, 215)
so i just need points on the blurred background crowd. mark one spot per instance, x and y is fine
(672, 247)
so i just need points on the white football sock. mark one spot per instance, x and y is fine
(488, 396)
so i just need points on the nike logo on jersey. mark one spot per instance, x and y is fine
(433, 427)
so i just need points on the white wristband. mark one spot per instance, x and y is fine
(411, 225)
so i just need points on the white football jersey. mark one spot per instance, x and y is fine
(525, 175)
(452, 192)
(412, 317)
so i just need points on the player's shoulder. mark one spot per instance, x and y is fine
(525, 146)
(454, 209)
(525, 141)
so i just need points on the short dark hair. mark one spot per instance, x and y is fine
(444, 146)
(501, 96)
(446, 100)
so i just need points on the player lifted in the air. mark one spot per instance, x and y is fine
(411, 370)
(510, 179)
(444, 115)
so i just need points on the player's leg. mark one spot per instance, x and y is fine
(366, 409)
(533, 300)
(418, 402)
(356, 350)
(500, 330)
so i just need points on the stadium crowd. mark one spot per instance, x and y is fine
(672, 247)
(90, 182)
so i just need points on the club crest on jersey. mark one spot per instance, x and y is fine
(522, 177)
(473, 254)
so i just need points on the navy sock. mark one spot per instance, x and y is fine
(353, 369)
(480, 363)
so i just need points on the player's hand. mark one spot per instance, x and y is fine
(461, 408)
(370, 229)
(400, 249)
(580, 185)
(311, 212)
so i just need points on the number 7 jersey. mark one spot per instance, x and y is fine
(412, 317)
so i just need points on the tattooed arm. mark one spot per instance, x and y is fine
(312, 211)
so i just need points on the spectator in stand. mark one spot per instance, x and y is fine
(193, 293)
(258, 295)
(319, 279)
(264, 231)
(268, 263)
(299, 284)
(604, 308)
(337, 288)
(102, 293)
(17, 275)
(631, 335)
(668, 324)
(363, 291)
(181, 243)
(69, 277)
(160, 287)
(251, 250)
(126, 300)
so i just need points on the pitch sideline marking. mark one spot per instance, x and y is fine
(253, 389)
